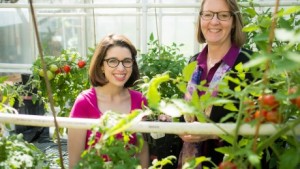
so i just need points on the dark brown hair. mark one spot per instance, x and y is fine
(237, 35)
(96, 75)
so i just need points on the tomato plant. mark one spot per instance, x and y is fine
(67, 80)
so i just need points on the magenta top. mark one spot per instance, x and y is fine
(86, 106)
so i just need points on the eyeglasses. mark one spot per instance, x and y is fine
(113, 62)
(222, 16)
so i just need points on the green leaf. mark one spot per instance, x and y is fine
(188, 71)
(234, 80)
(153, 94)
(191, 164)
(251, 12)
(293, 57)
(291, 10)
(226, 150)
(254, 160)
(170, 109)
(239, 67)
(250, 28)
(238, 88)
(265, 22)
(227, 138)
(220, 101)
(183, 105)
(289, 159)
(230, 106)
(151, 37)
(182, 87)
(255, 62)
(3, 79)
(263, 36)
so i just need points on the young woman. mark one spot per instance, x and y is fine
(112, 71)
(220, 27)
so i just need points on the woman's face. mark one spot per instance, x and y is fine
(215, 31)
(116, 72)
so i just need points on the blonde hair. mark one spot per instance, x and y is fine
(237, 35)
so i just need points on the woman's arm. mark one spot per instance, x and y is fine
(144, 155)
(196, 138)
(76, 145)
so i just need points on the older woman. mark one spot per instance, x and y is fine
(220, 27)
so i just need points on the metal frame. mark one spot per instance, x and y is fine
(142, 7)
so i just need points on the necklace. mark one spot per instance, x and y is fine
(211, 62)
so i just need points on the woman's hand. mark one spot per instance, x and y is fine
(196, 138)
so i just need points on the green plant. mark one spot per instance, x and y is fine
(161, 59)
(119, 151)
(258, 27)
(275, 69)
(17, 153)
(68, 77)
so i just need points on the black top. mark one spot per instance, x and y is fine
(207, 148)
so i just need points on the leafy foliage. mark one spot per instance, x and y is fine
(275, 72)
(162, 59)
(120, 152)
(17, 153)
(67, 79)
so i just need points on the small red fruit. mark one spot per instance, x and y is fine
(227, 165)
(260, 115)
(58, 71)
(297, 102)
(67, 68)
(273, 116)
(81, 63)
(268, 101)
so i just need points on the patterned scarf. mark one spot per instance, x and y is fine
(195, 81)
(190, 150)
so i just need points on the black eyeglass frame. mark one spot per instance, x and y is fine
(107, 61)
(217, 13)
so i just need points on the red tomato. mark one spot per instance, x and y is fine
(227, 165)
(58, 71)
(273, 116)
(268, 101)
(260, 115)
(297, 102)
(67, 68)
(81, 63)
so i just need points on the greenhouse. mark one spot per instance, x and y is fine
(158, 84)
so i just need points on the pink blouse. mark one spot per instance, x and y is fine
(86, 106)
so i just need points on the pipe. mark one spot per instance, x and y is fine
(144, 127)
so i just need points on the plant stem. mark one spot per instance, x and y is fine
(279, 133)
(238, 124)
(49, 91)
(265, 79)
